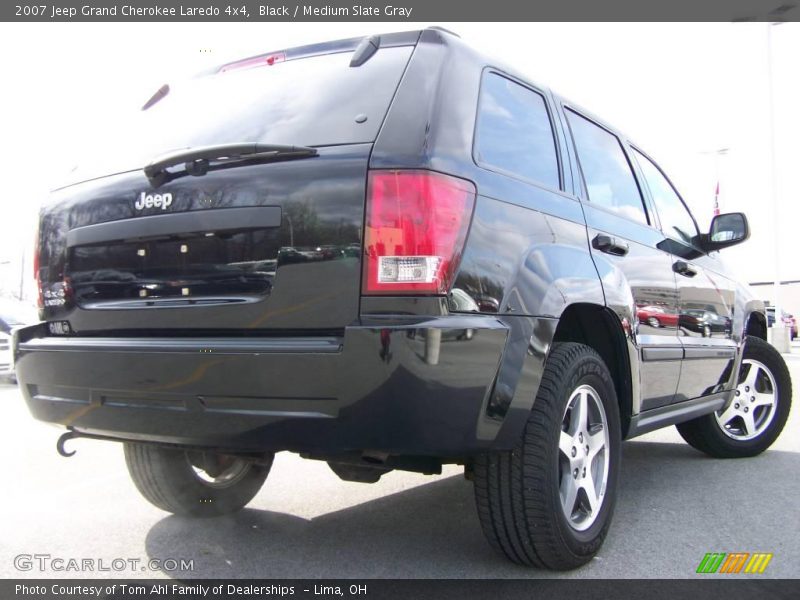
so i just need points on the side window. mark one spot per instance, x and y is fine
(606, 170)
(676, 221)
(514, 133)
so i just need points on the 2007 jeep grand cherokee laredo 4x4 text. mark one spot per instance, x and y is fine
(391, 253)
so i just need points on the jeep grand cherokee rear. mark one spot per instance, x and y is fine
(388, 253)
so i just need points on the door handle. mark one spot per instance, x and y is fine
(684, 268)
(609, 245)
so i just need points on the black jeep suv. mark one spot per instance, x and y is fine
(390, 253)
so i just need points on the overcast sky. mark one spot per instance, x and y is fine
(682, 91)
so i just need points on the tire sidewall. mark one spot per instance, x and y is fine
(211, 499)
(189, 495)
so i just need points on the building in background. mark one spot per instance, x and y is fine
(790, 294)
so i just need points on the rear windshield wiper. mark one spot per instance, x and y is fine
(199, 161)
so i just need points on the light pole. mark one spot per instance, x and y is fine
(22, 277)
(780, 338)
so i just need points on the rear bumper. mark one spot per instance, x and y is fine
(420, 387)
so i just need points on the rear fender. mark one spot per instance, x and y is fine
(552, 278)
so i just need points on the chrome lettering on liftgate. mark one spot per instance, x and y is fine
(161, 201)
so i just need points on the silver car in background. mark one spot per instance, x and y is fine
(13, 314)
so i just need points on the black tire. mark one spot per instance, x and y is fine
(517, 492)
(167, 479)
(654, 322)
(707, 435)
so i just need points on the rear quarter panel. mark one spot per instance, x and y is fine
(526, 258)
(527, 253)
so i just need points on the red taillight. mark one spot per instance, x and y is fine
(258, 61)
(36, 276)
(417, 222)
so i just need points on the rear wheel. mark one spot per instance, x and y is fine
(653, 322)
(194, 483)
(549, 501)
(757, 412)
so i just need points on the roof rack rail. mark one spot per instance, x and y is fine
(438, 28)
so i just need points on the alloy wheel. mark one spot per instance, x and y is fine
(583, 458)
(754, 403)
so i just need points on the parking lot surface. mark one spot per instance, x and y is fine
(674, 506)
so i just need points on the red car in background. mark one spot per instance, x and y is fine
(657, 316)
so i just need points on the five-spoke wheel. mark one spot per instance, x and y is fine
(756, 411)
(753, 406)
(583, 460)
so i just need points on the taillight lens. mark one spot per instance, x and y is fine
(36, 274)
(417, 222)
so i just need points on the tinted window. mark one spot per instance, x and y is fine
(606, 171)
(309, 101)
(514, 132)
(675, 218)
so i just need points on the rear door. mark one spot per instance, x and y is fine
(705, 295)
(259, 247)
(636, 273)
(240, 245)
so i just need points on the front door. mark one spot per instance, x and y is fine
(637, 275)
(705, 296)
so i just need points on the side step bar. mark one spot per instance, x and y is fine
(657, 418)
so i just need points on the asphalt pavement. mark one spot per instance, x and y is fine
(675, 505)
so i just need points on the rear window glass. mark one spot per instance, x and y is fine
(311, 101)
(514, 133)
(606, 170)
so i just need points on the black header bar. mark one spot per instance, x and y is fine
(708, 588)
(400, 10)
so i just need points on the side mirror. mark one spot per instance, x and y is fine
(726, 230)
